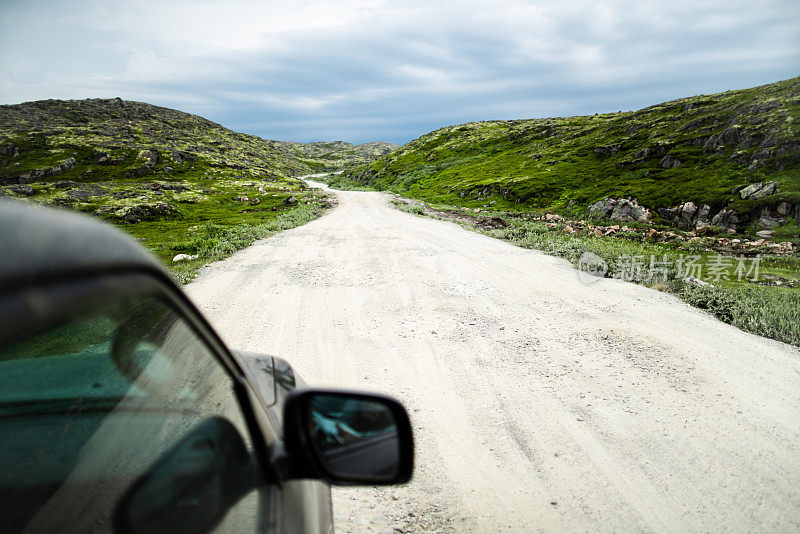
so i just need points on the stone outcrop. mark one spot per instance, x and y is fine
(758, 190)
(42, 174)
(727, 219)
(622, 209)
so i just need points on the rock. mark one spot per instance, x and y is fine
(255, 201)
(552, 217)
(784, 208)
(158, 186)
(766, 234)
(687, 212)
(696, 281)
(65, 184)
(726, 218)
(668, 162)
(105, 158)
(146, 160)
(41, 174)
(598, 232)
(167, 170)
(184, 257)
(629, 210)
(290, 201)
(22, 189)
(670, 214)
(651, 151)
(80, 195)
(758, 190)
(568, 229)
(493, 222)
(602, 208)
(703, 217)
(768, 220)
(138, 212)
(607, 150)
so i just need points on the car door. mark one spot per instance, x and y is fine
(120, 411)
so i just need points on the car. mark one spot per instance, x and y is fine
(122, 410)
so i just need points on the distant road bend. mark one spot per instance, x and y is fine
(538, 402)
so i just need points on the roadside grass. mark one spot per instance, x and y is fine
(212, 241)
(768, 311)
(342, 183)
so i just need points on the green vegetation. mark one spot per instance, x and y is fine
(211, 242)
(172, 180)
(325, 156)
(768, 310)
(342, 182)
(701, 149)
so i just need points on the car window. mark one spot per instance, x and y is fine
(95, 409)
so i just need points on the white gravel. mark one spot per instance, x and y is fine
(539, 403)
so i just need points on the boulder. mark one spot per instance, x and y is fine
(184, 257)
(727, 219)
(21, 189)
(668, 162)
(687, 214)
(703, 217)
(79, 195)
(758, 190)
(784, 209)
(607, 150)
(626, 210)
(622, 209)
(768, 219)
(602, 208)
(290, 201)
(137, 213)
(41, 174)
(670, 214)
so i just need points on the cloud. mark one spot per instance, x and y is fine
(389, 69)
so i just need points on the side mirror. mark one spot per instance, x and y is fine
(349, 438)
(192, 486)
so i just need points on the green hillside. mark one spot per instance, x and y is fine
(178, 182)
(324, 156)
(702, 149)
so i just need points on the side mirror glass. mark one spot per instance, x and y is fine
(351, 438)
(192, 486)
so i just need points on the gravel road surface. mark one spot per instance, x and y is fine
(539, 402)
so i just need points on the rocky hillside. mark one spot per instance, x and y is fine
(730, 160)
(334, 155)
(159, 173)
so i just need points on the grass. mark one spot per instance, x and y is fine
(212, 242)
(176, 182)
(341, 182)
(722, 142)
(768, 311)
(334, 155)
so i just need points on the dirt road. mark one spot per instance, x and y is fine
(539, 402)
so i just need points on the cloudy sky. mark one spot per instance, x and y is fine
(391, 70)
